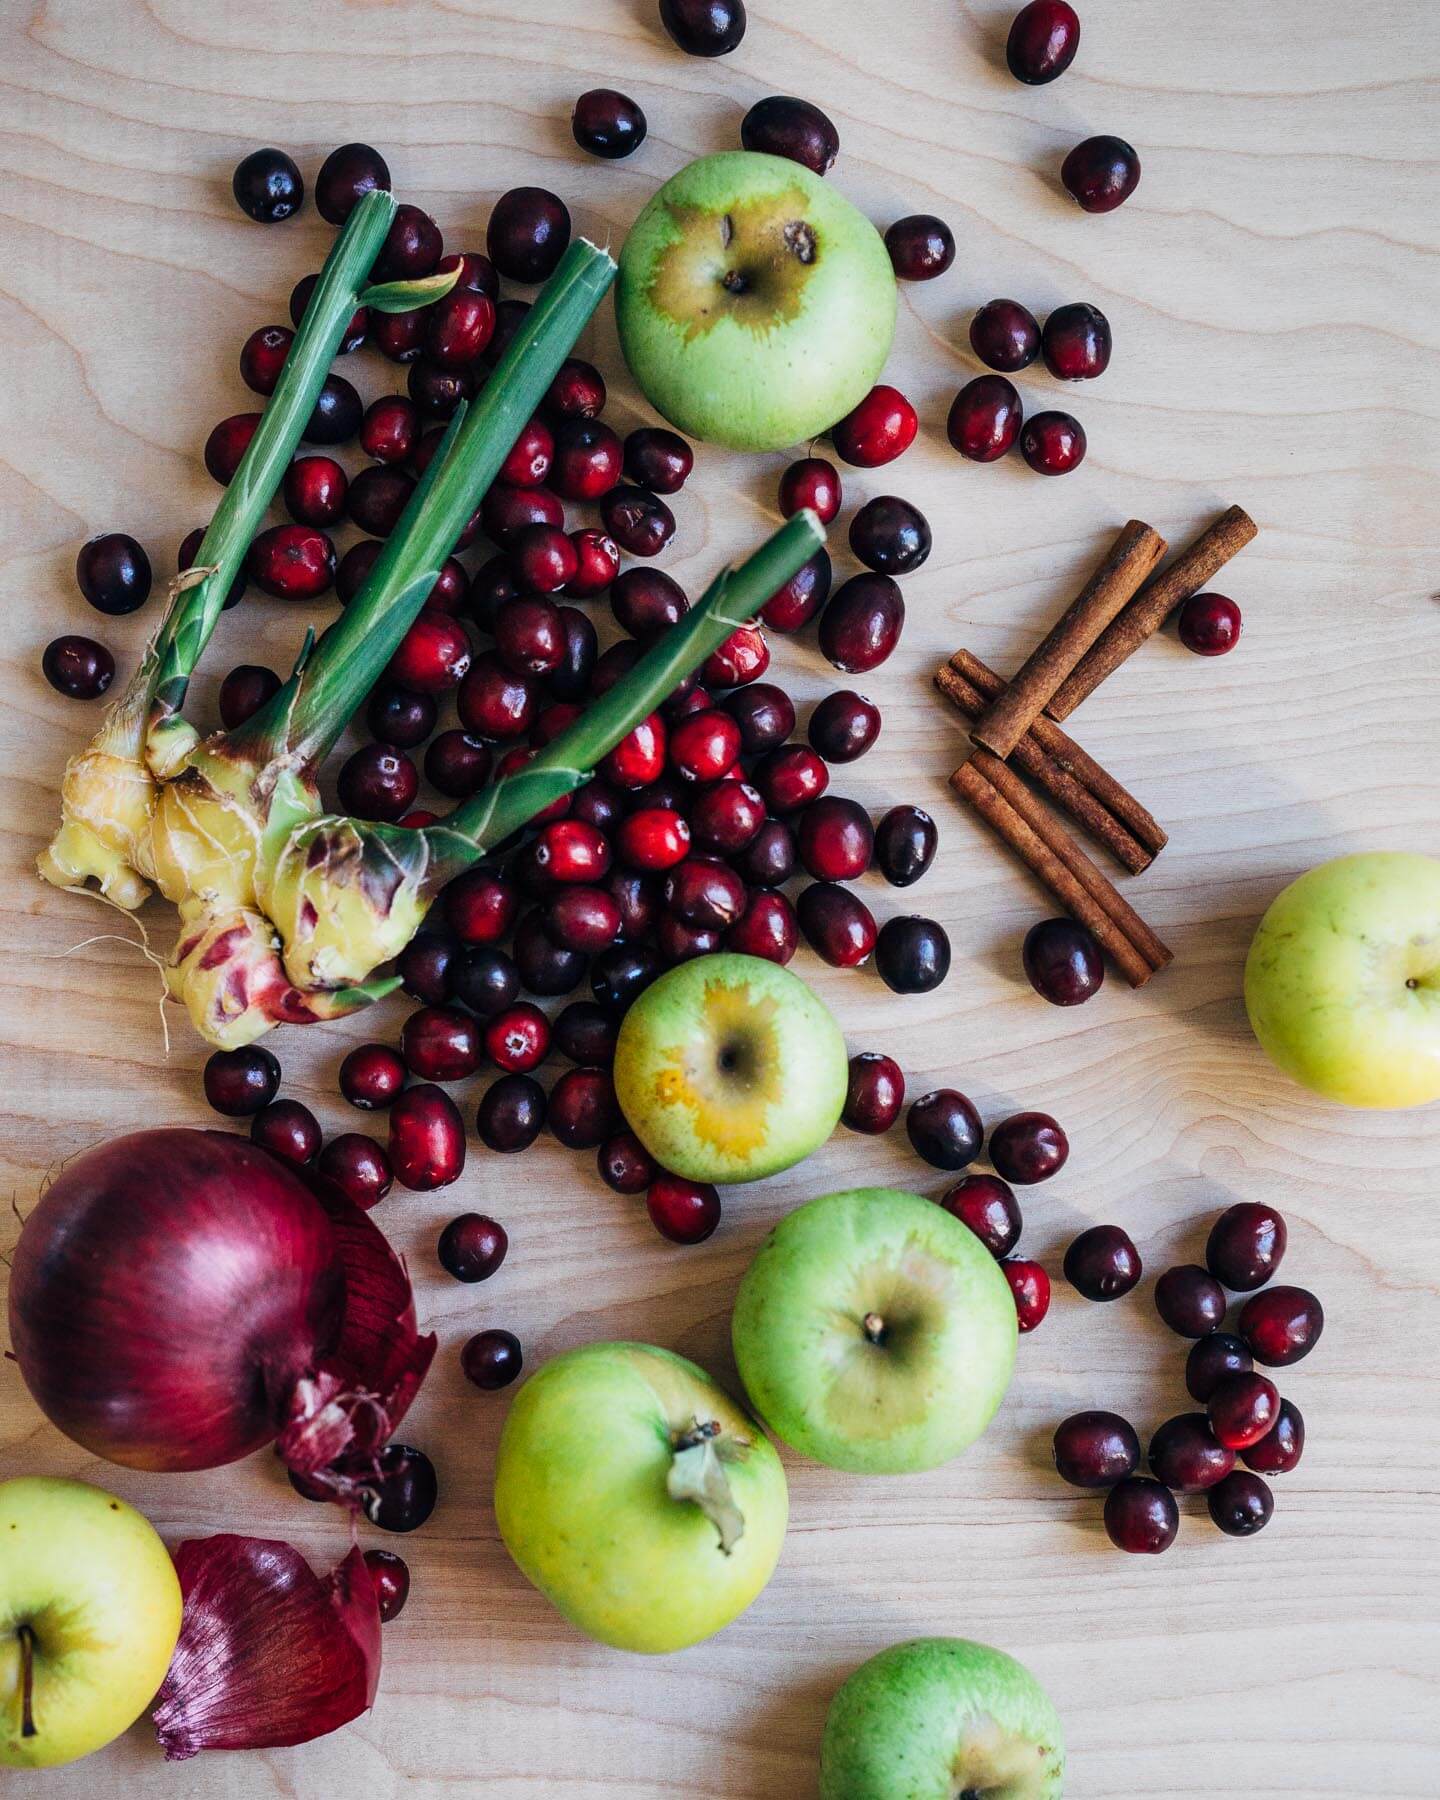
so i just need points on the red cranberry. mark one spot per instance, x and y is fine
(811, 482)
(1053, 443)
(458, 328)
(239, 1082)
(658, 460)
(314, 490)
(1281, 1325)
(588, 459)
(433, 655)
(765, 715)
(703, 746)
(390, 1578)
(843, 726)
(647, 602)
(480, 905)
(491, 1360)
(226, 446)
(372, 1076)
(440, 1043)
(484, 980)
(1278, 1452)
(912, 955)
(358, 1167)
(1141, 1516)
(424, 965)
(417, 819)
(1210, 1358)
(704, 27)
(1076, 342)
(654, 838)
(1006, 336)
(262, 357)
(607, 123)
(585, 1032)
(1185, 1455)
(706, 892)
(1209, 624)
(625, 1164)
(457, 765)
(438, 392)
(686, 1212)
(1101, 173)
(568, 850)
(767, 928)
(790, 778)
(577, 392)
(542, 559)
(1191, 1302)
(921, 247)
(583, 918)
(1062, 962)
(769, 859)
(353, 570)
(338, 415)
(377, 782)
(890, 535)
(77, 667)
(528, 233)
(597, 563)
(1241, 1505)
(292, 562)
(944, 1128)
(583, 1108)
(377, 498)
(838, 926)
(879, 429)
(412, 246)
(345, 177)
(288, 1130)
(1095, 1449)
(1102, 1263)
(985, 418)
(726, 817)
(472, 1247)
(1030, 1287)
(1029, 1147)
(835, 839)
(357, 327)
(861, 626)
(792, 606)
(987, 1206)
(742, 658)
(511, 1113)
(493, 701)
(518, 1039)
(639, 757)
(1242, 1409)
(638, 521)
(875, 1094)
(399, 336)
(528, 460)
(267, 186)
(1044, 37)
(1246, 1245)
(781, 125)
(244, 691)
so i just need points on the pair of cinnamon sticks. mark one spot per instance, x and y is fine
(1117, 611)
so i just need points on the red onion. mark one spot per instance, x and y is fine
(269, 1652)
(179, 1298)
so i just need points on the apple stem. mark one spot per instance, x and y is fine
(698, 1434)
(27, 1681)
(874, 1327)
(697, 1474)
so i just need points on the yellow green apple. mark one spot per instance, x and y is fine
(874, 1332)
(729, 1068)
(1342, 983)
(756, 305)
(938, 1718)
(89, 1617)
(638, 1497)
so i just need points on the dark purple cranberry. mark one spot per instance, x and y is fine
(835, 839)
(1044, 37)
(477, 273)
(472, 1247)
(638, 520)
(843, 726)
(357, 327)
(399, 336)
(262, 356)
(769, 859)
(625, 1164)
(528, 233)
(226, 446)
(1209, 624)
(647, 602)
(511, 1113)
(398, 717)
(781, 125)
(1062, 962)
(267, 186)
(377, 498)
(706, 892)
(767, 928)
(905, 843)
(875, 1094)
(583, 1110)
(190, 550)
(359, 1167)
(546, 968)
(239, 1082)
(377, 782)
(812, 482)
(492, 1359)
(114, 573)
(353, 569)
(1053, 443)
(424, 965)
(764, 713)
(861, 625)
(1218, 1354)
(1141, 1516)
(621, 975)
(1241, 1504)
(986, 1205)
(413, 245)
(78, 667)
(1186, 1456)
(921, 247)
(607, 123)
(529, 638)
(585, 1033)
(727, 817)
(912, 955)
(944, 1128)
(704, 27)
(483, 979)
(288, 1130)
(985, 418)
(596, 804)
(436, 391)
(657, 459)
(339, 413)
(838, 926)
(890, 535)
(346, 176)
(390, 1578)
(401, 1495)
(583, 918)
(1101, 173)
(1281, 1325)
(1280, 1449)
(1245, 1245)
(1005, 335)
(793, 606)
(244, 691)
(457, 765)
(1102, 1263)
(1095, 1449)
(1076, 342)
(507, 511)
(372, 1076)
(1190, 1301)
(491, 586)
(569, 680)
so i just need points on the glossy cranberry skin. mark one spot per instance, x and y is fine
(339, 413)
(262, 356)
(658, 460)
(546, 968)
(314, 490)
(638, 520)
(377, 498)
(985, 418)
(401, 1495)
(1062, 962)
(481, 905)
(491, 1360)
(244, 691)
(1241, 1505)
(377, 782)
(528, 460)
(639, 757)
(587, 463)
(517, 1040)
(226, 446)
(577, 392)
(1211, 1357)
(921, 247)
(472, 1247)
(292, 562)
(879, 429)
(1095, 1449)
(654, 838)
(835, 839)
(1044, 37)
(113, 573)
(769, 859)
(597, 804)
(1209, 624)
(528, 233)
(706, 892)
(678, 941)
(1141, 1516)
(790, 778)
(494, 702)
(390, 1578)
(346, 176)
(1006, 336)
(1186, 1456)
(912, 955)
(583, 1109)
(585, 1033)
(792, 606)
(875, 1093)
(353, 569)
(767, 928)
(597, 563)
(1246, 1245)
(267, 186)
(1076, 342)
(511, 1114)
(288, 1130)
(620, 975)
(781, 125)
(239, 1082)
(568, 850)
(433, 655)
(542, 559)
(764, 713)
(625, 1164)
(1102, 1263)
(742, 658)
(440, 1043)
(399, 336)
(438, 392)
(861, 626)
(843, 726)
(685, 1212)
(704, 745)
(1280, 1450)
(890, 536)
(372, 1076)
(944, 1128)
(1030, 1289)
(704, 27)
(357, 327)
(358, 1167)
(1190, 1301)
(476, 272)
(607, 123)
(812, 482)
(412, 247)
(457, 765)
(726, 818)
(1242, 1409)
(583, 918)
(986, 1205)
(647, 602)
(424, 965)
(458, 328)
(77, 667)
(1101, 173)
(569, 680)
(1053, 443)
(905, 843)
(1281, 1325)
(484, 980)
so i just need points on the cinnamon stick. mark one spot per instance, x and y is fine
(1131, 558)
(1150, 608)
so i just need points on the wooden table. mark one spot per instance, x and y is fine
(1272, 292)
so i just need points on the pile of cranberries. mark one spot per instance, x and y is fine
(1244, 1414)
(987, 417)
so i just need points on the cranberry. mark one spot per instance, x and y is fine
(912, 955)
(742, 658)
(875, 1094)
(377, 498)
(528, 460)
(985, 418)
(790, 778)
(510, 315)
(944, 1128)
(399, 336)
(1053, 443)
(1076, 342)
(706, 892)
(345, 177)
(390, 1578)
(372, 1076)
(987, 1206)
(703, 746)
(658, 460)
(77, 667)
(1241, 1505)
(314, 490)
(546, 968)
(1211, 1357)
(647, 602)
(570, 678)
(583, 1108)
(339, 413)
(292, 562)
(267, 186)
(226, 446)
(835, 839)
(577, 392)
(262, 357)
(401, 1496)
(356, 329)
(838, 926)
(377, 782)
(1095, 1449)
(616, 663)
(358, 1167)
(686, 1212)
(765, 715)
(704, 28)
(480, 905)
(472, 1247)
(625, 1164)
(438, 392)
(1101, 173)
(433, 655)
(542, 559)
(585, 1032)
(518, 1039)
(113, 573)
(597, 804)
(244, 691)
(1063, 962)
(568, 850)
(727, 817)
(1191, 1302)
(354, 567)
(511, 1113)
(654, 838)
(597, 563)
(484, 980)
(1282, 1325)
(458, 328)
(188, 556)
(639, 757)
(1030, 1288)
(861, 626)
(638, 521)
(457, 765)
(767, 928)
(288, 1130)
(491, 1360)
(1102, 1263)
(1006, 336)
(239, 1082)
(1141, 1516)
(1185, 1455)
(879, 429)
(583, 918)
(678, 941)
(440, 1043)
(905, 844)
(424, 965)
(921, 247)
(794, 605)
(843, 726)
(1030, 1147)
(493, 701)
(618, 976)
(1278, 1452)
(811, 482)
(412, 246)
(1209, 624)
(528, 233)
(890, 535)
(781, 125)
(587, 463)
(1242, 1409)
(607, 123)
(1044, 37)
(769, 859)
(476, 271)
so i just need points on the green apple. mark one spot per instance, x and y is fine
(638, 1497)
(1343, 980)
(729, 1068)
(939, 1718)
(89, 1616)
(756, 306)
(874, 1332)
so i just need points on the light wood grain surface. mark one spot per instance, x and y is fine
(1272, 291)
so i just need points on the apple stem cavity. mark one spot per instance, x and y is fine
(874, 1327)
(26, 1636)
(697, 1473)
